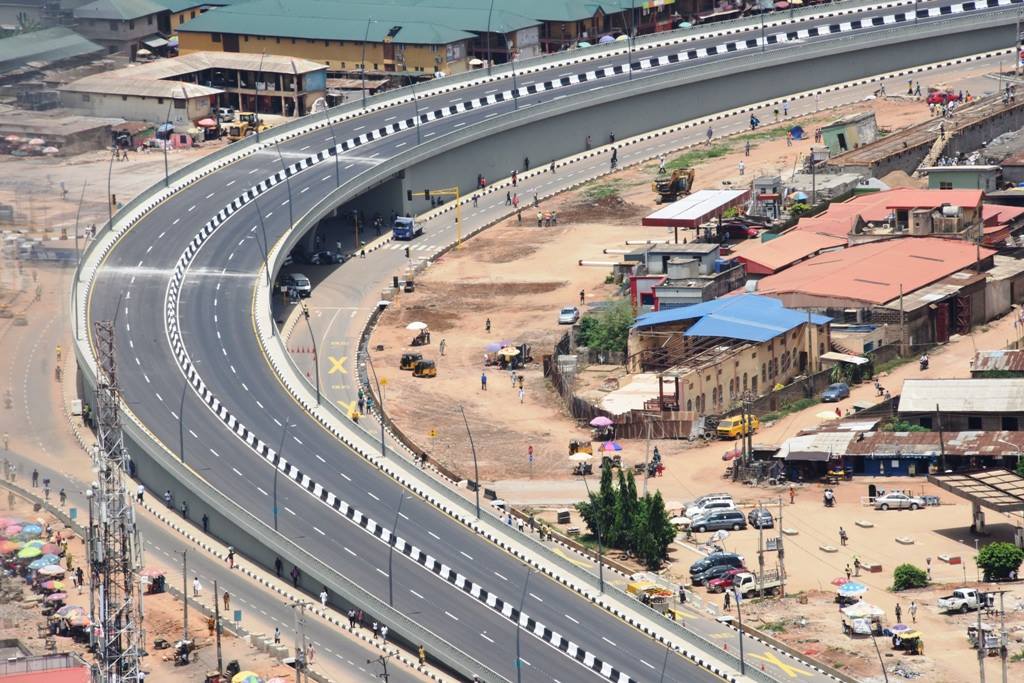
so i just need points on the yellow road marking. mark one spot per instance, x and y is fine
(578, 563)
(337, 365)
(789, 669)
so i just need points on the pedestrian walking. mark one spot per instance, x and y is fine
(552, 167)
(422, 653)
(856, 566)
(140, 491)
(727, 600)
(589, 144)
(483, 381)
(899, 613)
(913, 612)
(746, 149)
(515, 178)
(227, 601)
(277, 635)
(848, 572)
(376, 630)
(611, 138)
(35, 478)
(184, 509)
(789, 138)
(522, 394)
(776, 112)
(487, 326)
(540, 218)
(710, 134)
(785, 107)
(310, 654)
(515, 201)
(519, 216)
(583, 297)
(46, 490)
(843, 538)
(80, 575)
(475, 199)
(231, 557)
(351, 618)
(197, 587)
(742, 167)
(792, 494)
(295, 574)
(359, 617)
(442, 346)
(508, 198)
(210, 625)
(63, 497)
(384, 633)
(526, 163)
(278, 566)
(206, 523)
(661, 164)
(323, 597)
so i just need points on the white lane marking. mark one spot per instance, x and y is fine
(297, 440)
(192, 208)
(390, 118)
(253, 171)
(326, 177)
(466, 555)
(536, 597)
(318, 531)
(381, 571)
(237, 472)
(370, 493)
(457, 125)
(572, 619)
(349, 166)
(175, 221)
(612, 643)
(230, 183)
(486, 637)
(278, 422)
(447, 612)
(427, 135)
(262, 491)
(161, 398)
(145, 377)
(161, 235)
(403, 515)
(646, 664)
(210, 195)
(525, 662)
(503, 578)
(289, 510)
(434, 535)
(285, 202)
(401, 144)
(304, 190)
(417, 594)
(319, 458)
(260, 404)
(359, 128)
(347, 478)
(348, 551)
(215, 453)
(194, 435)
(245, 387)
(303, 149)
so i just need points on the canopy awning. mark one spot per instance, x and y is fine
(844, 358)
(154, 42)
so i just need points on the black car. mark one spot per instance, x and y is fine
(713, 559)
(760, 518)
(715, 571)
(327, 257)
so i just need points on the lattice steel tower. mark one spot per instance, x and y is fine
(115, 549)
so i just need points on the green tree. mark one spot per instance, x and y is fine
(654, 532)
(1020, 466)
(599, 511)
(908, 576)
(607, 330)
(998, 559)
(623, 534)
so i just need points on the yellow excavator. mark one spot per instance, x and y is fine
(672, 187)
(247, 124)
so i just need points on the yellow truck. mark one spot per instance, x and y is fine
(733, 427)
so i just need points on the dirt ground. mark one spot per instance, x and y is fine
(24, 621)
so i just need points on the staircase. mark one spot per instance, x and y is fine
(935, 152)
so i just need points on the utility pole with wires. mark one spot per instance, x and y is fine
(115, 556)
(383, 661)
(453, 192)
(299, 616)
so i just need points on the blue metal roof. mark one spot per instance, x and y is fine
(750, 317)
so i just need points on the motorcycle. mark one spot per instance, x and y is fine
(923, 363)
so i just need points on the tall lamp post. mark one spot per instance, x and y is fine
(597, 528)
(316, 356)
(288, 183)
(380, 395)
(519, 626)
(181, 423)
(362, 60)
(416, 109)
(490, 11)
(476, 467)
(256, 107)
(391, 550)
(337, 152)
(280, 451)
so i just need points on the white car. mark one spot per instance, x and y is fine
(898, 501)
(568, 315)
(710, 506)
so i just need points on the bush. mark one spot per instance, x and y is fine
(607, 330)
(998, 559)
(908, 576)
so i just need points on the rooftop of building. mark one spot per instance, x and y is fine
(849, 118)
(1005, 360)
(747, 317)
(688, 248)
(139, 87)
(981, 395)
(961, 169)
(874, 273)
(788, 248)
(47, 45)
(875, 207)
(695, 209)
(126, 10)
(419, 22)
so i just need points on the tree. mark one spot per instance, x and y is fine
(908, 576)
(654, 532)
(607, 330)
(599, 511)
(623, 531)
(1020, 466)
(998, 560)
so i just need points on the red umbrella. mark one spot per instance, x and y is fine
(56, 597)
(839, 581)
(51, 549)
(206, 123)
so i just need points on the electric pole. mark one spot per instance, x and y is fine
(117, 548)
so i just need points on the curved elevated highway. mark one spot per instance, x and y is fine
(180, 273)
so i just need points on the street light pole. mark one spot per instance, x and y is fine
(416, 108)
(181, 423)
(265, 245)
(362, 62)
(216, 623)
(110, 196)
(184, 593)
(78, 259)
(490, 11)
(316, 356)
(739, 616)
(280, 451)
(631, 43)
(380, 396)
(337, 152)
(391, 551)
(256, 108)
(288, 183)
(476, 467)
(597, 528)
(519, 627)
(168, 134)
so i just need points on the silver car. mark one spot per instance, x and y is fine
(898, 501)
(568, 315)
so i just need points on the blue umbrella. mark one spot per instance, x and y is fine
(611, 446)
(800, 196)
(492, 347)
(165, 127)
(901, 628)
(32, 529)
(851, 588)
(606, 39)
(44, 561)
(583, 43)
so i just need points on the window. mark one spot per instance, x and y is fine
(1009, 424)
(113, 26)
(926, 422)
(215, 37)
(85, 97)
(179, 104)
(974, 422)
(327, 43)
(689, 405)
(181, 18)
(246, 38)
(149, 20)
(193, 14)
(945, 185)
(159, 100)
(124, 98)
(131, 25)
(277, 40)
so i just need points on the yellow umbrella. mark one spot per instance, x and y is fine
(509, 351)
(580, 457)
(246, 677)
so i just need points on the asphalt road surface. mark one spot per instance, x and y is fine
(214, 313)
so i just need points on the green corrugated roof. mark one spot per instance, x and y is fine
(48, 45)
(423, 22)
(118, 10)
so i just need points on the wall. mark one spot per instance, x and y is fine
(962, 180)
(133, 108)
(122, 34)
(337, 55)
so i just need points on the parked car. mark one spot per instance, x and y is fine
(962, 600)
(568, 315)
(709, 506)
(942, 96)
(898, 501)
(715, 558)
(699, 502)
(760, 518)
(299, 282)
(712, 572)
(226, 113)
(733, 427)
(737, 231)
(328, 257)
(835, 392)
(724, 581)
(721, 519)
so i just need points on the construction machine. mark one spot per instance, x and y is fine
(671, 188)
(247, 124)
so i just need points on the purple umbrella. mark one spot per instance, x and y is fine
(611, 446)
(492, 347)
(601, 421)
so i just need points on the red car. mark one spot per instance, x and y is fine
(724, 581)
(942, 97)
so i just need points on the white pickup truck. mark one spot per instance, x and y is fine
(963, 600)
(747, 584)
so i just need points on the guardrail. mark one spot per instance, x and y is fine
(245, 520)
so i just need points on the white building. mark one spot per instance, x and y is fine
(140, 99)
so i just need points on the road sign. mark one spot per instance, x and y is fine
(238, 616)
(771, 543)
(73, 513)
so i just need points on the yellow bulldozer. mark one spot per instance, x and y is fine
(672, 187)
(247, 124)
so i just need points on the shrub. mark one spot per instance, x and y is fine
(607, 330)
(998, 559)
(908, 576)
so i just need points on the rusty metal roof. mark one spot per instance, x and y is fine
(957, 444)
(1011, 360)
(1004, 395)
(998, 490)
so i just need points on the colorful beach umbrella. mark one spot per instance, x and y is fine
(246, 677)
(601, 421)
(56, 597)
(44, 561)
(51, 570)
(29, 553)
(8, 547)
(68, 610)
